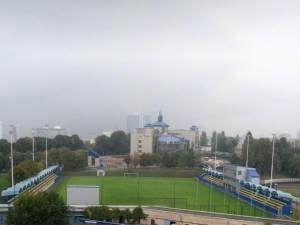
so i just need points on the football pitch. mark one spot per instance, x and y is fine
(184, 193)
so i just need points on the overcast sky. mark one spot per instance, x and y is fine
(222, 65)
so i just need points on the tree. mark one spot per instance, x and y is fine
(146, 160)
(76, 142)
(80, 159)
(294, 169)
(2, 162)
(24, 144)
(156, 159)
(138, 214)
(62, 141)
(44, 208)
(119, 143)
(127, 160)
(135, 159)
(203, 139)
(190, 158)
(4, 146)
(103, 145)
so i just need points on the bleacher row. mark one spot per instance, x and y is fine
(36, 188)
(214, 180)
(274, 203)
(264, 200)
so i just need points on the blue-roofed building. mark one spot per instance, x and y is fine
(170, 143)
(157, 138)
(93, 158)
(234, 173)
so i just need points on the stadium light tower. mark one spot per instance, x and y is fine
(248, 136)
(46, 150)
(216, 151)
(11, 132)
(33, 134)
(274, 136)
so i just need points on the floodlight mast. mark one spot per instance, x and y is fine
(33, 134)
(274, 136)
(11, 132)
(248, 136)
(216, 151)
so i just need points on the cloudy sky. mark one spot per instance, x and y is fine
(85, 65)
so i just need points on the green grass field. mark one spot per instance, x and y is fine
(170, 192)
(3, 183)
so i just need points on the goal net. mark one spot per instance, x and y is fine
(126, 175)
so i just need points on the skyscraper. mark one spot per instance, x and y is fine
(137, 120)
(298, 134)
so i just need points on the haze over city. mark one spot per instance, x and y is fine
(228, 66)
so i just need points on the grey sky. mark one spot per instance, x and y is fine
(85, 65)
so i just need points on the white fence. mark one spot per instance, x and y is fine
(284, 180)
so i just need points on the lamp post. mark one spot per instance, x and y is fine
(247, 151)
(33, 134)
(216, 151)
(11, 132)
(274, 136)
(46, 150)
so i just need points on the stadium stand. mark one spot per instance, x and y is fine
(41, 182)
(265, 198)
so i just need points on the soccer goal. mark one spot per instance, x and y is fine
(126, 175)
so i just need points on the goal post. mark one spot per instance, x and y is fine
(126, 175)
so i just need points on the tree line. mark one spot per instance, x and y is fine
(103, 213)
(49, 208)
(117, 144)
(286, 158)
(180, 159)
(224, 143)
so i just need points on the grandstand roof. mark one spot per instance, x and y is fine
(17, 188)
(93, 153)
(253, 173)
(169, 138)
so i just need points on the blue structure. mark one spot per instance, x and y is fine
(265, 198)
(93, 153)
(158, 123)
(23, 185)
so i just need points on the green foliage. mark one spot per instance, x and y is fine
(224, 144)
(103, 145)
(260, 156)
(97, 212)
(23, 171)
(43, 208)
(157, 191)
(127, 160)
(4, 146)
(203, 139)
(24, 144)
(103, 213)
(294, 169)
(2, 162)
(146, 160)
(138, 214)
(120, 143)
(117, 144)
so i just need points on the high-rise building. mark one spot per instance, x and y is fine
(49, 132)
(137, 120)
(298, 134)
(1, 130)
